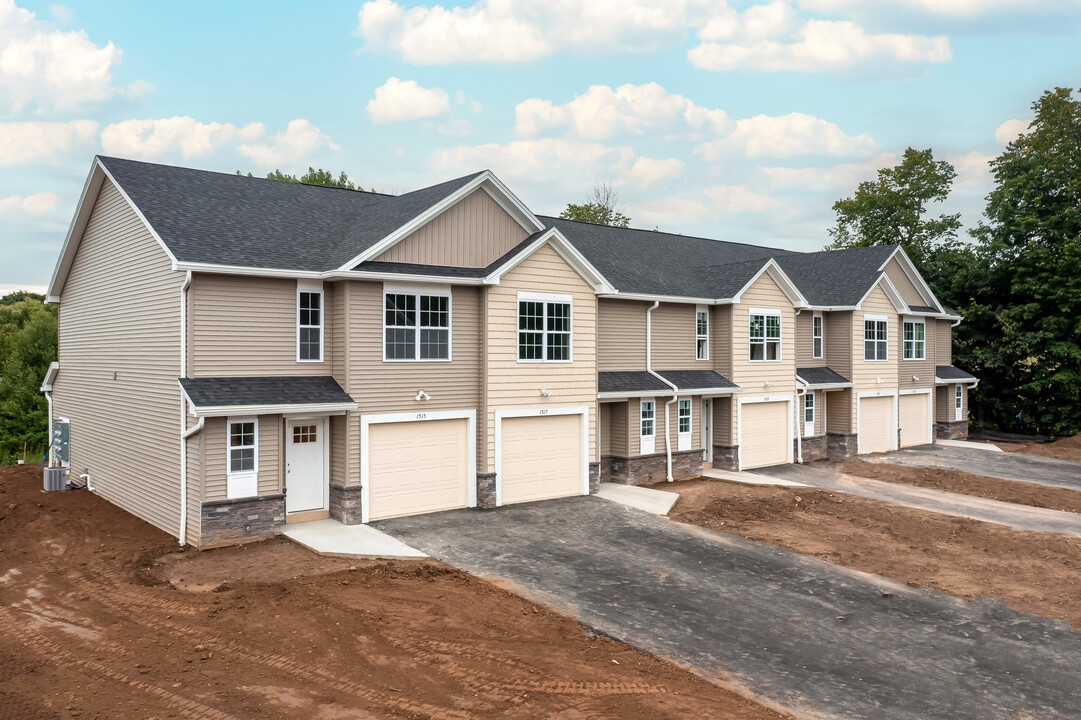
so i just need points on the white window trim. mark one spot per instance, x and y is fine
(683, 439)
(922, 343)
(315, 288)
(876, 318)
(647, 444)
(780, 341)
(697, 337)
(958, 402)
(809, 425)
(545, 298)
(416, 291)
(821, 337)
(238, 483)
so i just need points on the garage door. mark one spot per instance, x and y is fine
(912, 419)
(417, 467)
(764, 434)
(541, 457)
(876, 424)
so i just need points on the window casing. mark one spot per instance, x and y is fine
(416, 325)
(816, 336)
(875, 338)
(647, 424)
(701, 333)
(914, 340)
(683, 424)
(764, 336)
(544, 328)
(958, 402)
(309, 325)
(809, 414)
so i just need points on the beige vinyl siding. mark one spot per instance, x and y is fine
(244, 326)
(922, 369)
(724, 421)
(604, 420)
(752, 375)
(338, 450)
(840, 407)
(621, 335)
(336, 348)
(838, 333)
(819, 413)
(195, 450)
(720, 339)
(269, 450)
(618, 432)
(513, 384)
(805, 340)
(662, 441)
(865, 373)
(119, 352)
(474, 233)
(904, 286)
(944, 403)
(673, 326)
(943, 341)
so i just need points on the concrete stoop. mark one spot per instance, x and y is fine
(331, 538)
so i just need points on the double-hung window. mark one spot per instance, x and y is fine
(683, 424)
(914, 340)
(544, 328)
(241, 476)
(701, 333)
(809, 414)
(958, 402)
(647, 426)
(816, 336)
(875, 338)
(416, 325)
(764, 335)
(309, 324)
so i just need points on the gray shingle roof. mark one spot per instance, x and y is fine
(836, 278)
(923, 308)
(821, 376)
(949, 372)
(445, 270)
(698, 379)
(212, 217)
(629, 382)
(246, 391)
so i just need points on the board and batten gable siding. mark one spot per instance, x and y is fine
(943, 331)
(904, 285)
(270, 450)
(474, 233)
(674, 346)
(865, 373)
(511, 384)
(247, 326)
(119, 352)
(621, 335)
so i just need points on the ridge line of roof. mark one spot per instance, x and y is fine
(669, 234)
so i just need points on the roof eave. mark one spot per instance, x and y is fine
(280, 409)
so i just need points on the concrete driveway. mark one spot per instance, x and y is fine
(814, 638)
(1005, 465)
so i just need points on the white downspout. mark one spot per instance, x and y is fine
(49, 398)
(184, 432)
(675, 390)
(799, 424)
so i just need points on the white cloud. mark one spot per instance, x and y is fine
(843, 176)
(1008, 131)
(786, 136)
(973, 169)
(51, 69)
(542, 160)
(7, 288)
(649, 171)
(299, 139)
(713, 203)
(400, 100)
(738, 199)
(952, 8)
(521, 30)
(153, 138)
(24, 142)
(602, 112)
(37, 204)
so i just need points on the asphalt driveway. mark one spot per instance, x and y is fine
(814, 638)
(1005, 465)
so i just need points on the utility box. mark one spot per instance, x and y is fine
(61, 432)
(56, 478)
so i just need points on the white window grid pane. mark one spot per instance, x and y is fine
(773, 327)
(684, 414)
(400, 311)
(647, 418)
(544, 331)
(400, 343)
(241, 447)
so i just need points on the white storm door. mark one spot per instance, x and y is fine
(304, 481)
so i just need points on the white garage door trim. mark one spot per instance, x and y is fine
(930, 409)
(366, 421)
(764, 399)
(581, 410)
(874, 394)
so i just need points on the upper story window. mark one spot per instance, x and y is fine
(701, 333)
(764, 335)
(544, 328)
(875, 338)
(309, 324)
(915, 343)
(416, 325)
(816, 336)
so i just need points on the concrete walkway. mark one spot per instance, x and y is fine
(331, 538)
(658, 502)
(815, 638)
(751, 478)
(1005, 465)
(1018, 517)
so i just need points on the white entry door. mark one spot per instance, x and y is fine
(304, 479)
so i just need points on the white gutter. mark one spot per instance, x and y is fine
(675, 390)
(182, 536)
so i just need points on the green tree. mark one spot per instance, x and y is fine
(602, 207)
(27, 346)
(313, 177)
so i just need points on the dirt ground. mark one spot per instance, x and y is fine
(1038, 573)
(93, 628)
(956, 481)
(1063, 448)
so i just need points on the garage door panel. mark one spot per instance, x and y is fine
(417, 467)
(764, 434)
(913, 419)
(876, 424)
(541, 457)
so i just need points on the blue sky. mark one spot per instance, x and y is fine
(742, 121)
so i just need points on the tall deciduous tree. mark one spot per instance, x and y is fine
(27, 346)
(314, 177)
(602, 207)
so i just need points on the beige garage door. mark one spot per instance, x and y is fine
(912, 419)
(764, 434)
(417, 467)
(541, 457)
(876, 424)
